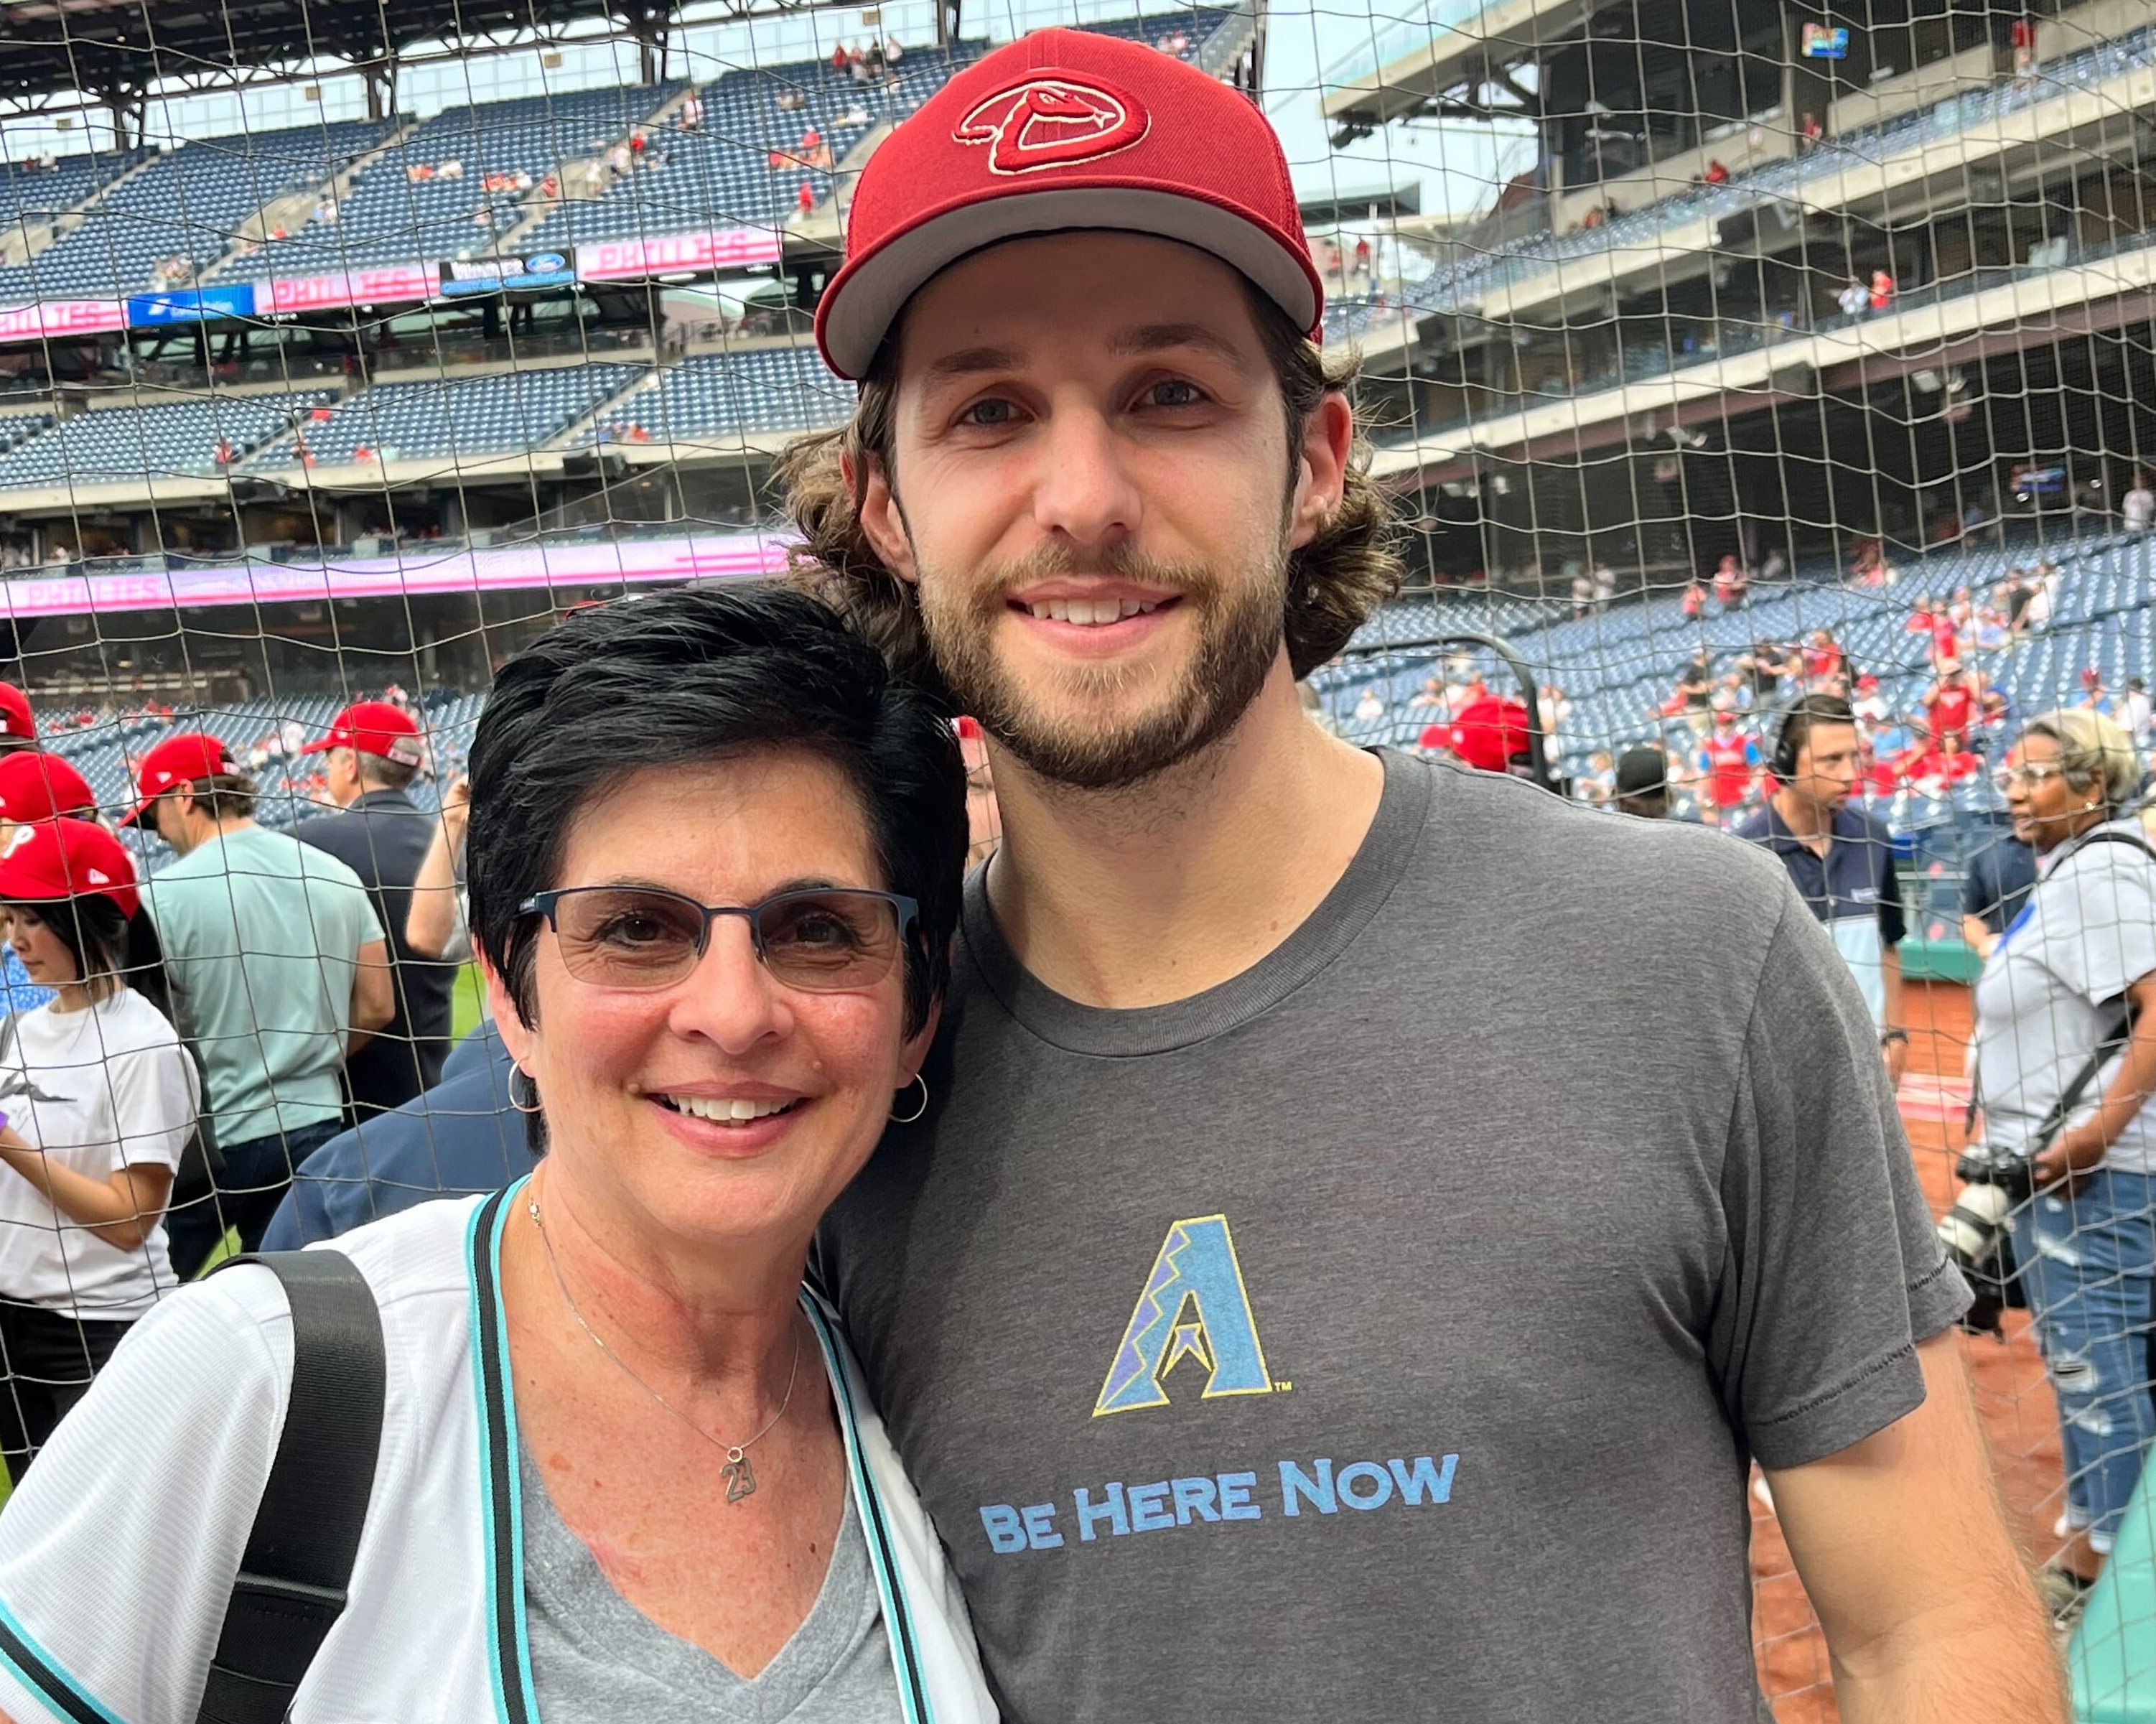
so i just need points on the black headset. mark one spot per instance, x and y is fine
(1793, 728)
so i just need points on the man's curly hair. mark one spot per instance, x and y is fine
(1334, 582)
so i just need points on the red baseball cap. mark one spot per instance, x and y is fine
(1062, 130)
(378, 728)
(38, 785)
(15, 717)
(69, 858)
(1488, 733)
(186, 758)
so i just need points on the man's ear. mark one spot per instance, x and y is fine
(1328, 439)
(883, 522)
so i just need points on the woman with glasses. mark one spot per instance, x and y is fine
(2065, 1059)
(628, 1469)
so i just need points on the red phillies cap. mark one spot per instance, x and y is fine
(38, 785)
(378, 728)
(187, 758)
(1488, 733)
(15, 719)
(69, 858)
(1066, 129)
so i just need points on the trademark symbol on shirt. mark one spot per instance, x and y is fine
(1281, 1388)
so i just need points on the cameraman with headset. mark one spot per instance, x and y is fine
(2065, 1066)
(1840, 859)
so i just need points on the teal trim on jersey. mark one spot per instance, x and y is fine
(494, 1337)
(49, 1680)
(490, 1342)
(905, 1657)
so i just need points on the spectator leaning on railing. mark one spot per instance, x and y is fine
(279, 968)
(2075, 971)
(98, 1099)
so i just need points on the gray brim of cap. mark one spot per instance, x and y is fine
(872, 298)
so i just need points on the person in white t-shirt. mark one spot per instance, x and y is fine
(627, 1467)
(2137, 507)
(2079, 955)
(98, 1099)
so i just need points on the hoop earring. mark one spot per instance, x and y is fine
(899, 1119)
(531, 1087)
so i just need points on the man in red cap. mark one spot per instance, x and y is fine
(372, 754)
(279, 967)
(1263, 1350)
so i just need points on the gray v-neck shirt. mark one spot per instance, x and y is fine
(596, 1658)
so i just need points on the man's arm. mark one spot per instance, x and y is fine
(1902, 1542)
(1896, 1028)
(431, 923)
(373, 997)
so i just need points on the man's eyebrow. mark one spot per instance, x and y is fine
(1156, 337)
(967, 362)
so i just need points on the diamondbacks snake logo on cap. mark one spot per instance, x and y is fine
(1052, 122)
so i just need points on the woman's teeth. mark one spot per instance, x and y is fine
(1091, 612)
(725, 1110)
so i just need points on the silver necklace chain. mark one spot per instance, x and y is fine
(738, 1473)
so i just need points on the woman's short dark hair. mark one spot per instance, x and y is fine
(692, 676)
(109, 946)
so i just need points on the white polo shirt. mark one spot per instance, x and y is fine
(118, 1553)
(2088, 933)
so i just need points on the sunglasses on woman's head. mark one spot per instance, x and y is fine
(819, 939)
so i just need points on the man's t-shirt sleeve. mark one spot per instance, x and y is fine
(1834, 1272)
(1894, 925)
(118, 1551)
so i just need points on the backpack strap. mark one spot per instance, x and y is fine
(293, 1580)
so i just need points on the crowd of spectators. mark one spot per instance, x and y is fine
(178, 1042)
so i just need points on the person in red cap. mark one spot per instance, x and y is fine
(98, 1100)
(1491, 735)
(280, 967)
(18, 727)
(371, 757)
(1218, 1291)
(34, 785)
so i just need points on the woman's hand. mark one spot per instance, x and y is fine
(2072, 1157)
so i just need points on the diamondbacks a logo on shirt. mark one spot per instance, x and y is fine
(1194, 1306)
(1052, 122)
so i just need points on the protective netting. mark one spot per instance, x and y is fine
(1712, 354)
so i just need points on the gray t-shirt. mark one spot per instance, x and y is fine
(2050, 985)
(596, 1658)
(1384, 1333)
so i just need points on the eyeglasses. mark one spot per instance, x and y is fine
(820, 939)
(2006, 777)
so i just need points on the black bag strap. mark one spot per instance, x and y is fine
(293, 1580)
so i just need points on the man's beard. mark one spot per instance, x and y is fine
(1240, 629)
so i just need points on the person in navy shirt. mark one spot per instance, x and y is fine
(1840, 859)
(460, 1137)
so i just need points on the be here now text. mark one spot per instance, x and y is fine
(1121, 1510)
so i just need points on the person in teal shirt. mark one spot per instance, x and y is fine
(280, 969)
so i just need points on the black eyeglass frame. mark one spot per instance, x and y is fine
(547, 905)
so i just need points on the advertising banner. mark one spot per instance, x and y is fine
(394, 285)
(630, 563)
(61, 317)
(191, 304)
(677, 253)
